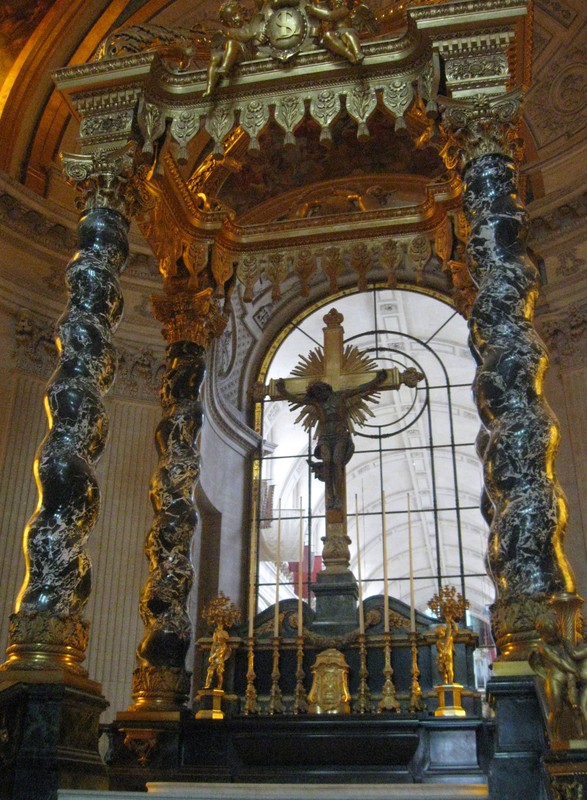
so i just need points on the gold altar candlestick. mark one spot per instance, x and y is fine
(385, 575)
(301, 577)
(363, 703)
(300, 704)
(251, 703)
(389, 701)
(416, 702)
(411, 556)
(360, 580)
(253, 569)
(275, 696)
(277, 568)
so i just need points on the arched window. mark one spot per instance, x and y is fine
(418, 450)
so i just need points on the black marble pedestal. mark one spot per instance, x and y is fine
(336, 602)
(515, 770)
(49, 741)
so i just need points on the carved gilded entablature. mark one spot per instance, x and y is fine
(420, 258)
(332, 69)
(476, 65)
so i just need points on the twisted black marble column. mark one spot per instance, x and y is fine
(160, 681)
(528, 511)
(48, 632)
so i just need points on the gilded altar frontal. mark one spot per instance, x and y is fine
(293, 309)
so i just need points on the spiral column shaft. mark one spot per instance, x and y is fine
(160, 681)
(520, 433)
(47, 630)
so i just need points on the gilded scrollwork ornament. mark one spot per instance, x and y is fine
(361, 102)
(360, 261)
(398, 96)
(419, 253)
(390, 256)
(325, 108)
(254, 117)
(332, 266)
(276, 271)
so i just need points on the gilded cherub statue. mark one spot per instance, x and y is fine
(236, 42)
(450, 606)
(341, 21)
(552, 660)
(223, 614)
(560, 659)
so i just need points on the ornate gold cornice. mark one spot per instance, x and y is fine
(189, 317)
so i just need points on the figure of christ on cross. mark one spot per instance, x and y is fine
(331, 388)
(334, 442)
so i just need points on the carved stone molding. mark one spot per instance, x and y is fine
(565, 335)
(18, 216)
(420, 259)
(556, 105)
(139, 369)
(41, 226)
(566, 218)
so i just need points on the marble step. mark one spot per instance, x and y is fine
(291, 791)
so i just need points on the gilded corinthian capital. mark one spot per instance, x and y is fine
(480, 126)
(107, 179)
(189, 317)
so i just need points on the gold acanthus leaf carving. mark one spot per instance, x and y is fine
(480, 126)
(305, 268)
(248, 272)
(189, 317)
(276, 270)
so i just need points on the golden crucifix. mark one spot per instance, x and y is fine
(331, 387)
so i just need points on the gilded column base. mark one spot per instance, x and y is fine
(160, 689)
(514, 621)
(44, 648)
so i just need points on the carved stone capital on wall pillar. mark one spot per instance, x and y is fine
(480, 126)
(108, 179)
(189, 317)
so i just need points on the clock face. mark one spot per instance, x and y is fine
(286, 30)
